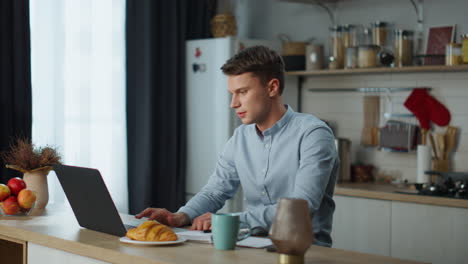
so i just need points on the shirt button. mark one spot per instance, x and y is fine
(264, 170)
(263, 193)
(267, 145)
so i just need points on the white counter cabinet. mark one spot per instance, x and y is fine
(38, 254)
(419, 232)
(361, 224)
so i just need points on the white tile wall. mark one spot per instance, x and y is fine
(345, 110)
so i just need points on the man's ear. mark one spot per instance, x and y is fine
(273, 87)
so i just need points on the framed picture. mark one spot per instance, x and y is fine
(437, 39)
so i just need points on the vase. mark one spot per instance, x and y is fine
(291, 231)
(37, 181)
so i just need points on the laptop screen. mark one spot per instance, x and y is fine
(90, 199)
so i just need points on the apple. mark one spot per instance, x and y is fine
(4, 192)
(16, 185)
(10, 206)
(26, 198)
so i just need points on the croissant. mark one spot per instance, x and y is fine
(152, 231)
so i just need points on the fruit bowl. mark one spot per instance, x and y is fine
(21, 211)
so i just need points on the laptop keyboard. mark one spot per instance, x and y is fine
(127, 227)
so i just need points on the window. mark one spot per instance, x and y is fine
(78, 88)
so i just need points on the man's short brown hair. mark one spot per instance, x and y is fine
(263, 62)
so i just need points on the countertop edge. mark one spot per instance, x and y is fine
(82, 249)
(399, 197)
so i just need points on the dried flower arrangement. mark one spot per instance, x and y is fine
(25, 157)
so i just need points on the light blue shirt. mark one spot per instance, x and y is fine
(295, 158)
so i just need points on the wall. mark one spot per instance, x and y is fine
(346, 111)
(265, 19)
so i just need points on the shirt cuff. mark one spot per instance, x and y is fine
(243, 220)
(188, 211)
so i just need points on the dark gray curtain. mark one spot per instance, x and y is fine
(155, 36)
(15, 77)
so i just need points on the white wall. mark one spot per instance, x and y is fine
(265, 19)
(346, 110)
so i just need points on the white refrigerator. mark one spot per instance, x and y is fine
(210, 120)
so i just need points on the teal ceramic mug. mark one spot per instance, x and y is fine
(225, 230)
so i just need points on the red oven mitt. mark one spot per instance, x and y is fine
(439, 114)
(418, 105)
(426, 108)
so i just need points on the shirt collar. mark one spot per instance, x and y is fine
(278, 125)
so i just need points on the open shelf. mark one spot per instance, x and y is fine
(408, 69)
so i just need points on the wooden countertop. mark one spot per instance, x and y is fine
(59, 229)
(389, 192)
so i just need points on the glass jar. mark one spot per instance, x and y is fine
(365, 37)
(367, 56)
(351, 60)
(336, 45)
(349, 36)
(379, 33)
(465, 48)
(403, 47)
(453, 54)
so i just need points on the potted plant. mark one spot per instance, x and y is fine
(35, 164)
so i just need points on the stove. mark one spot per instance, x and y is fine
(449, 185)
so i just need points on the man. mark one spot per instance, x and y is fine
(275, 153)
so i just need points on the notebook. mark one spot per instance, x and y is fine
(90, 199)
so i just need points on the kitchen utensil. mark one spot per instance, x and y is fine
(450, 140)
(366, 135)
(433, 146)
(441, 144)
(398, 136)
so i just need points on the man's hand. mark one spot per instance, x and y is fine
(203, 222)
(165, 217)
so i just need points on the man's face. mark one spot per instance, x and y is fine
(250, 99)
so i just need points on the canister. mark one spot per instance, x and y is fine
(403, 47)
(314, 57)
(367, 56)
(349, 36)
(379, 33)
(465, 48)
(453, 54)
(336, 45)
(351, 60)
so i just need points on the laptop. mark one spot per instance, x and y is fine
(90, 200)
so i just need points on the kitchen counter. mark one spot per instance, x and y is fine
(58, 229)
(391, 192)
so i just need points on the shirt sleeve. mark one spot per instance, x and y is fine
(318, 158)
(221, 186)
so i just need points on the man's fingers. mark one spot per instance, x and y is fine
(206, 225)
(143, 213)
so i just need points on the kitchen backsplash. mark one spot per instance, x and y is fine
(345, 112)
